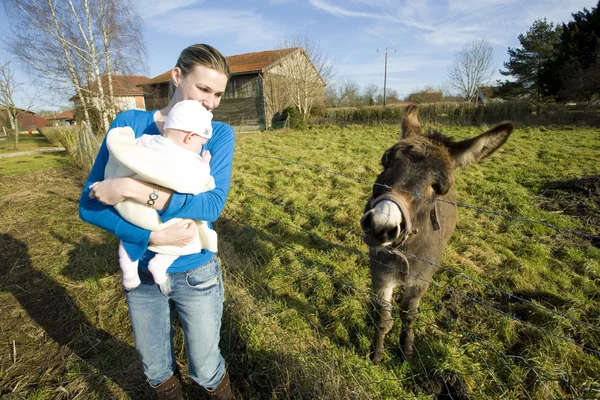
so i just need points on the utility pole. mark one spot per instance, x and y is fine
(385, 77)
(385, 73)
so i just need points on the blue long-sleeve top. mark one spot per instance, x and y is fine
(205, 206)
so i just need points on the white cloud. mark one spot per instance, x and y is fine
(388, 11)
(455, 36)
(397, 63)
(244, 27)
(343, 12)
(151, 9)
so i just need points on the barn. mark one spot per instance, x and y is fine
(253, 95)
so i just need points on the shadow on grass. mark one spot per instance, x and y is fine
(90, 260)
(56, 312)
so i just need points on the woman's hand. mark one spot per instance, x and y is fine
(114, 191)
(109, 191)
(179, 234)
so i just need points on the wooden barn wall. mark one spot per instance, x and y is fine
(242, 105)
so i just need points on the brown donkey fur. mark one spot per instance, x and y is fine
(404, 225)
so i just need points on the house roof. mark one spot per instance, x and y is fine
(123, 85)
(241, 63)
(63, 115)
(18, 110)
(256, 61)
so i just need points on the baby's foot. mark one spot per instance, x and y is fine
(131, 282)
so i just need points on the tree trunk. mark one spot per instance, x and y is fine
(93, 64)
(112, 112)
(101, 97)
(16, 124)
(76, 81)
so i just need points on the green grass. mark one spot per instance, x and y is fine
(29, 163)
(297, 318)
(26, 143)
(32, 162)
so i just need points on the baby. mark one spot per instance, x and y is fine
(171, 160)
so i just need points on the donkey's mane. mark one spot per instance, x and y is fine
(439, 138)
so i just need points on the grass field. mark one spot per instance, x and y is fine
(26, 143)
(29, 163)
(513, 314)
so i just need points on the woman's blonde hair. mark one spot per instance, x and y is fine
(200, 54)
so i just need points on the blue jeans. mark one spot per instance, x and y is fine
(197, 297)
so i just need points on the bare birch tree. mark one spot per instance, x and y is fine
(472, 68)
(9, 87)
(303, 83)
(71, 45)
(89, 57)
(124, 49)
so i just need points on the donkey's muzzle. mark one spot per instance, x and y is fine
(387, 221)
(377, 234)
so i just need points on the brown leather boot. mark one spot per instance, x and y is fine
(168, 390)
(221, 392)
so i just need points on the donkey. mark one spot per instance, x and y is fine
(411, 215)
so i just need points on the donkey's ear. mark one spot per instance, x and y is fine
(473, 150)
(410, 122)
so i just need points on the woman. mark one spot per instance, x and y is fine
(194, 288)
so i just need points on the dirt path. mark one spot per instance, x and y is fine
(26, 153)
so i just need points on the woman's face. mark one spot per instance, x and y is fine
(202, 84)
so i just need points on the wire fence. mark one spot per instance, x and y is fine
(492, 370)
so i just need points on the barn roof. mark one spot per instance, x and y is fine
(241, 63)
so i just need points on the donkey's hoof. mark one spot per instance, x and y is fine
(407, 354)
(376, 357)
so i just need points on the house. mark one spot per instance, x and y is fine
(65, 118)
(28, 120)
(127, 91)
(254, 93)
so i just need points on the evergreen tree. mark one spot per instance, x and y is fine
(526, 64)
(574, 74)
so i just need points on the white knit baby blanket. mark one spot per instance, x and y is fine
(155, 159)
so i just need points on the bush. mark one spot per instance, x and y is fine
(290, 117)
(81, 146)
(465, 114)
(435, 113)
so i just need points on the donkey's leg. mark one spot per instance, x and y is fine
(383, 315)
(409, 308)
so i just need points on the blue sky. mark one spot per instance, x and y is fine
(421, 40)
